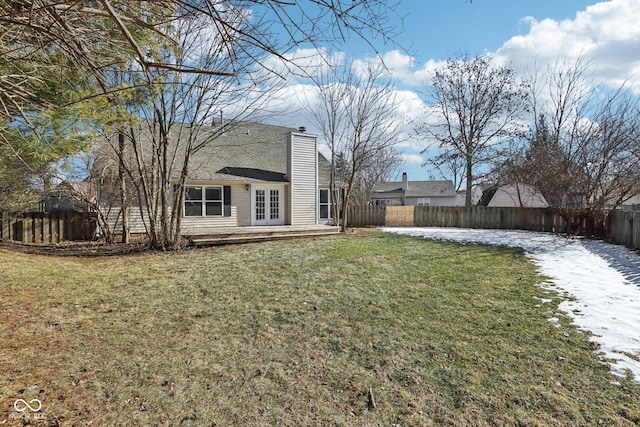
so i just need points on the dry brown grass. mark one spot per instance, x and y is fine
(296, 333)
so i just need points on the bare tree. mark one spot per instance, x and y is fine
(541, 162)
(451, 165)
(41, 36)
(328, 113)
(57, 54)
(478, 104)
(176, 121)
(357, 117)
(582, 150)
(380, 169)
(607, 153)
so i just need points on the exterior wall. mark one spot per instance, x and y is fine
(387, 199)
(302, 171)
(433, 201)
(287, 204)
(395, 200)
(136, 220)
(240, 213)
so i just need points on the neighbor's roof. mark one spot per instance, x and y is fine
(416, 189)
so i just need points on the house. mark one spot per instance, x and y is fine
(59, 200)
(251, 174)
(512, 195)
(414, 193)
(632, 204)
(476, 194)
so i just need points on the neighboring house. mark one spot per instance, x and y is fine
(60, 199)
(513, 195)
(414, 193)
(252, 174)
(632, 204)
(476, 194)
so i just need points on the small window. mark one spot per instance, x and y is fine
(325, 203)
(423, 201)
(203, 201)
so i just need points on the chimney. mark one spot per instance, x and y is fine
(404, 181)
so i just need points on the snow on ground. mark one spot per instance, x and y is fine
(603, 279)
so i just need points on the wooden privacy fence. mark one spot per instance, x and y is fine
(47, 227)
(624, 228)
(621, 227)
(534, 219)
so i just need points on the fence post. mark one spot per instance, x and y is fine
(39, 228)
(46, 228)
(3, 227)
(27, 229)
(55, 227)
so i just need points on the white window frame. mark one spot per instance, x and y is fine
(423, 201)
(203, 200)
(327, 204)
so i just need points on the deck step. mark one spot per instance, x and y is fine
(247, 237)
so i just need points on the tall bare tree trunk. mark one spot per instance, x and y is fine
(467, 196)
(124, 198)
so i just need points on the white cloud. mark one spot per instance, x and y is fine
(412, 159)
(402, 67)
(607, 34)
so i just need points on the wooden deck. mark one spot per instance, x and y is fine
(234, 235)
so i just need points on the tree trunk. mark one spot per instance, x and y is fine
(469, 176)
(124, 198)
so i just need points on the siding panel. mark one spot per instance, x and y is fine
(240, 216)
(302, 172)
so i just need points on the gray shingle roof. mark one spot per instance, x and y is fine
(245, 152)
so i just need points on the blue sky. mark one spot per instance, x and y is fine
(517, 32)
(437, 29)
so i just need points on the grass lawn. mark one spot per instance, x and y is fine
(363, 330)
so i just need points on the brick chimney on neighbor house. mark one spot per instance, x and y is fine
(404, 181)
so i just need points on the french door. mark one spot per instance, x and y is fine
(267, 205)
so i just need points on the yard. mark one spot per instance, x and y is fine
(366, 329)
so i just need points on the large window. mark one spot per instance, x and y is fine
(203, 201)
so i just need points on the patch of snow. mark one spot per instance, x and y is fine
(542, 301)
(601, 280)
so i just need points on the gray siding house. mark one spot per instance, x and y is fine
(414, 193)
